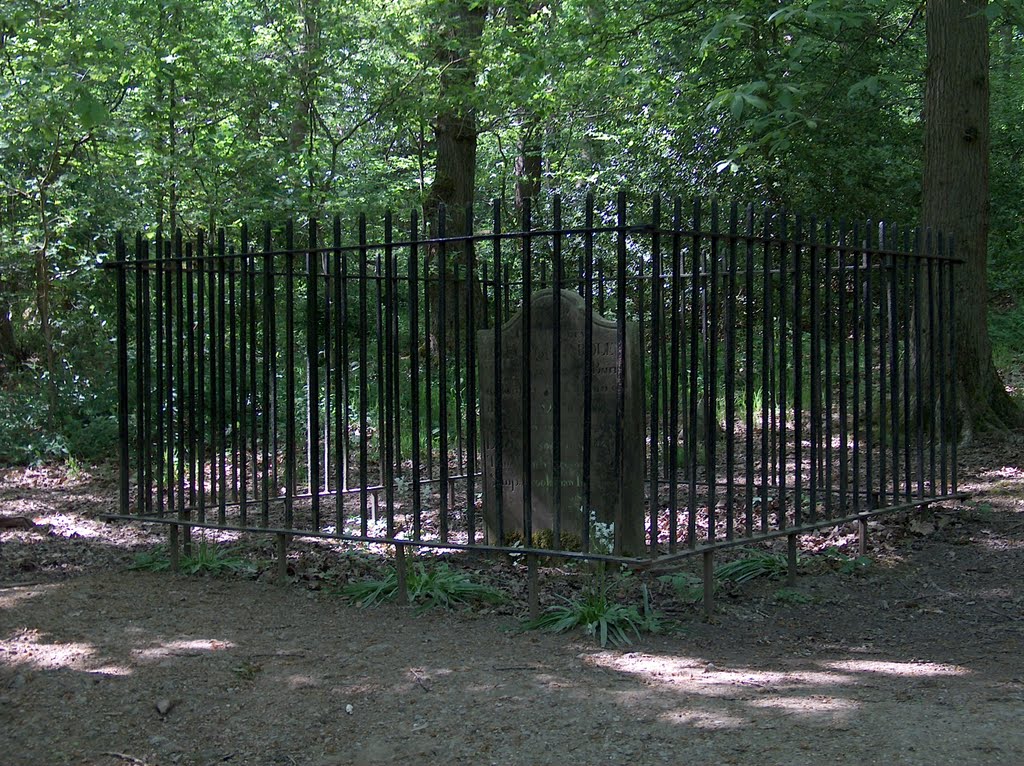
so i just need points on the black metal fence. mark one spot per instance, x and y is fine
(314, 380)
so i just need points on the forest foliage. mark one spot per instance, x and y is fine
(132, 115)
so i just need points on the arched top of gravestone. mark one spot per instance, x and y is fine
(542, 305)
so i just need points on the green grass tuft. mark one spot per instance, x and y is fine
(439, 586)
(755, 564)
(205, 558)
(600, 617)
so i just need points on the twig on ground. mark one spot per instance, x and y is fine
(126, 757)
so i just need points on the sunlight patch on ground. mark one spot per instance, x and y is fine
(704, 719)
(27, 648)
(904, 669)
(689, 670)
(813, 704)
(183, 648)
(13, 595)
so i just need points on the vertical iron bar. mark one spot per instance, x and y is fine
(243, 393)
(906, 320)
(289, 374)
(221, 342)
(141, 372)
(232, 267)
(499, 427)
(269, 350)
(414, 372)
(767, 389)
(730, 375)
(363, 382)
(525, 375)
(711, 378)
(933, 431)
(393, 413)
(442, 369)
(201, 382)
(471, 392)
(828, 452)
(954, 392)
(814, 424)
(783, 374)
(844, 476)
(867, 308)
(380, 376)
(158, 248)
(620, 402)
(883, 325)
(657, 310)
(179, 383)
(855, 327)
(588, 363)
(340, 373)
(122, 374)
(675, 349)
(798, 371)
(313, 373)
(894, 370)
(748, 370)
(918, 364)
(692, 397)
(556, 371)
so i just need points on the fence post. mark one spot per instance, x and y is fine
(791, 560)
(122, 373)
(282, 557)
(532, 587)
(709, 583)
(401, 574)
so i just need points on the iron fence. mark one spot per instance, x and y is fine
(781, 374)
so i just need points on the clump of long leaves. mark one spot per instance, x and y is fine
(204, 558)
(755, 564)
(439, 586)
(600, 616)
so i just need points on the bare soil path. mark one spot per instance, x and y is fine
(917, 659)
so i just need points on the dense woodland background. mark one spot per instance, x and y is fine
(133, 114)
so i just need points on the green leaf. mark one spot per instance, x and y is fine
(90, 110)
(736, 108)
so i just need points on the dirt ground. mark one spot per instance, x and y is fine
(914, 659)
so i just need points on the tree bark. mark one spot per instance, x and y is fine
(956, 198)
(455, 136)
(529, 163)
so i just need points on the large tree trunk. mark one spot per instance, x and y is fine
(955, 195)
(455, 128)
(455, 135)
(529, 163)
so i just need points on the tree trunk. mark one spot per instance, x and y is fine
(529, 163)
(955, 195)
(455, 135)
(43, 307)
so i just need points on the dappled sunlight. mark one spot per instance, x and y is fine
(183, 648)
(16, 595)
(812, 705)
(904, 669)
(27, 647)
(705, 676)
(703, 719)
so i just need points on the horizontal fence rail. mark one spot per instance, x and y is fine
(609, 387)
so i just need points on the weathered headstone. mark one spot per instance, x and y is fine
(616, 480)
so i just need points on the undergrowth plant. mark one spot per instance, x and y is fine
(204, 558)
(596, 611)
(438, 586)
(755, 564)
(600, 616)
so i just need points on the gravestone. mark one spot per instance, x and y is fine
(616, 482)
